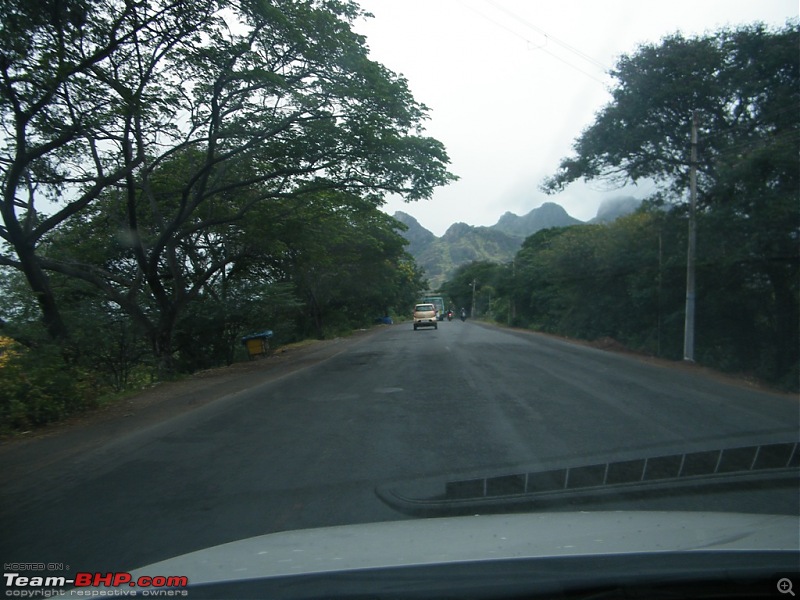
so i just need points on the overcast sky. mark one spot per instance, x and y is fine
(511, 83)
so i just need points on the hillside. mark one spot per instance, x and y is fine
(463, 243)
(546, 216)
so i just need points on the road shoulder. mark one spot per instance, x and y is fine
(42, 447)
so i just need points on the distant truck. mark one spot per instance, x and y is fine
(438, 303)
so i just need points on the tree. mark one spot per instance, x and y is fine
(741, 82)
(745, 86)
(74, 81)
(348, 263)
(171, 121)
(485, 275)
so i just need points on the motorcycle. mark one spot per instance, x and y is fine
(449, 315)
(463, 316)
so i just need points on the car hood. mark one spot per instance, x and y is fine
(480, 538)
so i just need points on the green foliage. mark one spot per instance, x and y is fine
(740, 82)
(481, 276)
(37, 386)
(160, 129)
(626, 280)
(217, 169)
(598, 281)
(348, 264)
(210, 331)
(744, 86)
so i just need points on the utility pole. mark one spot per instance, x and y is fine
(660, 308)
(512, 305)
(688, 328)
(472, 310)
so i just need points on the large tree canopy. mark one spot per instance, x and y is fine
(742, 83)
(160, 127)
(744, 86)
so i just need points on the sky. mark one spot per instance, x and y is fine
(510, 85)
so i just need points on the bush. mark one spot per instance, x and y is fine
(37, 386)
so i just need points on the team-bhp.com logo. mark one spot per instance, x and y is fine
(94, 584)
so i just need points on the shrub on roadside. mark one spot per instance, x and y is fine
(37, 386)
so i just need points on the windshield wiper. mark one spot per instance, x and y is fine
(728, 468)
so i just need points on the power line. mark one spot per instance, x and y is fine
(541, 31)
(569, 64)
(548, 38)
(528, 41)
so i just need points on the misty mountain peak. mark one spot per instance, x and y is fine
(457, 230)
(547, 215)
(613, 208)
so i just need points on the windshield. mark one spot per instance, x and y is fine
(220, 221)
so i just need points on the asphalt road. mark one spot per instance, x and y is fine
(395, 407)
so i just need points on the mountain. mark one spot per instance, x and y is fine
(613, 208)
(418, 237)
(463, 243)
(546, 216)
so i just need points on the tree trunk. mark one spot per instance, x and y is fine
(39, 283)
(787, 319)
(162, 347)
(316, 314)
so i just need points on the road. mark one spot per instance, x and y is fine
(309, 449)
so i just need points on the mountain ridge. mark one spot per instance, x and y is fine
(462, 243)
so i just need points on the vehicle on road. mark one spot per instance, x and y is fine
(185, 173)
(438, 304)
(425, 316)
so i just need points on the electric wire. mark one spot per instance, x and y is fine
(534, 45)
(541, 31)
